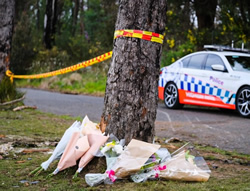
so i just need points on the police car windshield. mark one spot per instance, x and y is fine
(239, 63)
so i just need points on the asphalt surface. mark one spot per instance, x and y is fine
(223, 129)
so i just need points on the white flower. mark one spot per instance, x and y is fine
(112, 149)
(118, 149)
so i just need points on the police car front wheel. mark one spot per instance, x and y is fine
(243, 102)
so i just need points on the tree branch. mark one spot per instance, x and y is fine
(13, 101)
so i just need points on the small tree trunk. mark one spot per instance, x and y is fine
(7, 12)
(38, 14)
(205, 12)
(50, 20)
(82, 27)
(75, 16)
(131, 96)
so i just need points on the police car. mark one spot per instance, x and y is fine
(218, 78)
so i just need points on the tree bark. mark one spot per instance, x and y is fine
(38, 14)
(75, 16)
(50, 20)
(82, 27)
(244, 6)
(205, 12)
(7, 12)
(131, 97)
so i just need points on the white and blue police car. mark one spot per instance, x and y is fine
(211, 78)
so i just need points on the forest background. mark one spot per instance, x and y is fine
(50, 35)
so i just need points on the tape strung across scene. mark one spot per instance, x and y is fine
(64, 70)
(145, 35)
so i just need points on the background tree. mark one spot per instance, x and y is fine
(23, 46)
(205, 18)
(50, 20)
(180, 31)
(7, 12)
(131, 93)
(235, 22)
(205, 11)
(82, 26)
(75, 11)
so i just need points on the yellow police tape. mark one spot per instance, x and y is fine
(145, 35)
(64, 70)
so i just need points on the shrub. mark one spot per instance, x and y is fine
(8, 90)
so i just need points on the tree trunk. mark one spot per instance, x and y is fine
(38, 14)
(131, 96)
(186, 15)
(205, 12)
(244, 6)
(50, 20)
(82, 27)
(75, 16)
(7, 12)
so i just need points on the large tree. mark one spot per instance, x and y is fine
(131, 96)
(7, 12)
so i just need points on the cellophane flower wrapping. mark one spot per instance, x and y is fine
(134, 156)
(150, 169)
(57, 153)
(111, 150)
(185, 165)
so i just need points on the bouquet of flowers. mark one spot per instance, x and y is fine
(150, 170)
(185, 164)
(111, 150)
(134, 157)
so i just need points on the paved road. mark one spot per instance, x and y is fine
(225, 130)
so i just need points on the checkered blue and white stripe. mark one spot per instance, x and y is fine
(190, 83)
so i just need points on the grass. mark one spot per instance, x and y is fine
(8, 90)
(31, 128)
(33, 124)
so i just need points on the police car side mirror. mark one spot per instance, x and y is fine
(217, 67)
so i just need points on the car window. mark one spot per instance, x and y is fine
(196, 61)
(211, 60)
(185, 62)
(239, 63)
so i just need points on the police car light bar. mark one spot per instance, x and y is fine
(225, 48)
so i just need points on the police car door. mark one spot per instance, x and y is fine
(216, 83)
(192, 82)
